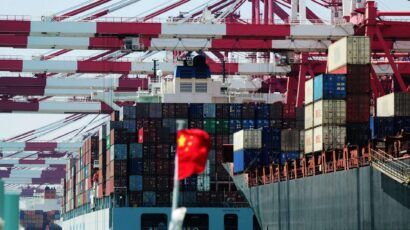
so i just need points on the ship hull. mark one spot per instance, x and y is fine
(360, 198)
(131, 218)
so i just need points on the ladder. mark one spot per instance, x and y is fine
(392, 167)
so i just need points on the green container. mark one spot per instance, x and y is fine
(209, 125)
(108, 144)
(11, 212)
(1, 199)
(222, 126)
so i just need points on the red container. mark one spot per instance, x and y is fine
(289, 111)
(109, 186)
(357, 108)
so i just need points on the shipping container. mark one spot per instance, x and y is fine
(329, 86)
(358, 79)
(382, 127)
(247, 139)
(209, 125)
(329, 112)
(349, 50)
(309, 91)
(196, 111)
(235, 111)
(290, 140)
(358, 134)
(289, 111)
(248, 124)
(118, 152)
(263, 111)
(222, 111)
(135, 183)
(271, 139)
(149, 199)
(181, 110)
(262, 124)
(394, 104)
(168, 110)
(244, 159)
(309, 116)
(329, 138)
(276, 111)
(209, 111)
(308, 141)
(142, 110)
(357, 108)
(248, 111)
(129, 112)
(155, 110)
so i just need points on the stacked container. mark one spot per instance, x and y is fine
(325, 113)
(393, 115)
(136, 152)
(351, 56)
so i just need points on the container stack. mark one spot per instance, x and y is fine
(325, 113)
(84, 170)
(247, 146)
(136, 152)
(32, 219)
(351, 56)
(69, 186)
(393, 115)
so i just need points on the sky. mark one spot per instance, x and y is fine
(13, 124)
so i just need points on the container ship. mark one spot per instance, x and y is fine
(354, 172)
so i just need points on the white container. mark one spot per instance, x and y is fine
(393, 104)
(309, 91)
(329, 112)
(247, 139)
(308, 141)
(349, 50)
(308, 116)
(328, 137)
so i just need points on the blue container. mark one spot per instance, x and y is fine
(135, 150)
(248, 124)
(235, 111)
(329, 86)
(202, 72)
(274, 157)
(402, 123)
(263, 158)
(245, 159)
(135, 183)
(388, 126)
(262, 124)
(271, 139)
(185, 72)
(136, 166)
(118, 152)
(235, 126)
(196, 111)
(288, 156)
(263, 111)
(209, 110)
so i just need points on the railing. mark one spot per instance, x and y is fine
(290, 171)
(392, 167)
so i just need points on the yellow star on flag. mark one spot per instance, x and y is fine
(181, 141)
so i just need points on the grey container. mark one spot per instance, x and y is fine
(290, 140)
(155, 110)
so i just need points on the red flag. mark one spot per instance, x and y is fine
(192, 149)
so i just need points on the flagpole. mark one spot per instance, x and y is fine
(173, 221)
(176, 185)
